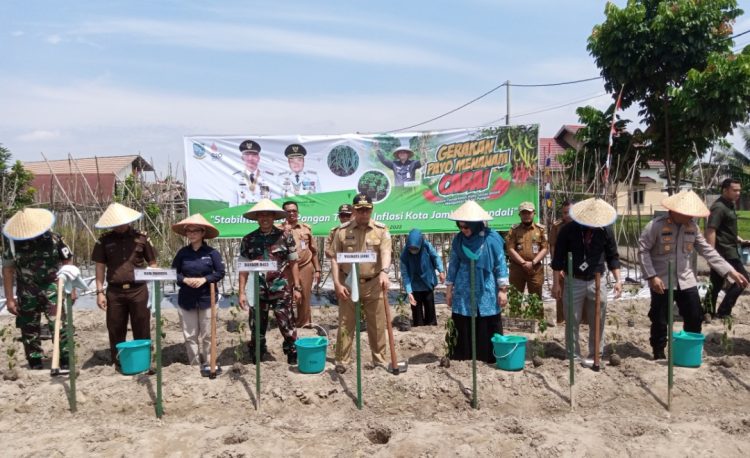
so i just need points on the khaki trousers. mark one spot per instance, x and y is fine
(196, 328)
(371, 296)
(303, 307)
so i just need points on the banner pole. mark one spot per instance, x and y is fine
(569, 332)
(157, 308)
(357, 330)
(670, 339)
(71, 354)
(256, 299)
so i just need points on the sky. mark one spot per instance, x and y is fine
(87, 78)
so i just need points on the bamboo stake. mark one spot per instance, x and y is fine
(597, 320)
(670, 339)
(70, 203)
(72, 401)
(569, 332)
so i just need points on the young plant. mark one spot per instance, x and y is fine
(451, 338)
(6, 334)
(727, 343)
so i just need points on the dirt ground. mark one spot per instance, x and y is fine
(424, 412)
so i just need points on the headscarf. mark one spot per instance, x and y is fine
(421, 261)
(475, 243)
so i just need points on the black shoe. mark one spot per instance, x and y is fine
(659, 354)
(264, 355)
(35, 364)
(64, 366)
(291, 358)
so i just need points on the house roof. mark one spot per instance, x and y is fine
(104, 165)
(568, 128)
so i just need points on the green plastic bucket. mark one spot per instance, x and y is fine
(311, 354)
(134, 356)
(509, 351)
(688, 349)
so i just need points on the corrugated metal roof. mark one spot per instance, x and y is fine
(104, 165)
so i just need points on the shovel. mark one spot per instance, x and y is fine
(55, 370)
(597, 319)
(395, 367)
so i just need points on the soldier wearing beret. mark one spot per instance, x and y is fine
(527, 246)
(298, 181)
(253, 184)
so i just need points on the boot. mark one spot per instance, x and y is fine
(659, 354)
(291, 359)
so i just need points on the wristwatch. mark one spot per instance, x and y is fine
(298, 288)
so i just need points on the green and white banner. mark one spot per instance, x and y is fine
(496, 166)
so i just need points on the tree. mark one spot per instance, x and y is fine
(585, 164)
(675, 60)
(15, 189)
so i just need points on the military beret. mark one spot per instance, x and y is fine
(362, 201)
(249, 147)
(295, 150)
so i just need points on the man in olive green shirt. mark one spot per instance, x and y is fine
(721, 233)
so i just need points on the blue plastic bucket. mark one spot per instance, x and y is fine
(509, 351)
(688, 349)
(311, 354)
(134, 356)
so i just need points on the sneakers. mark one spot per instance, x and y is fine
(291, 358)
(659, 354)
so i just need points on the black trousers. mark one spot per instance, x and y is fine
(486, 326)
(124, 304)
(731, 294)
(688, 302)
(423, 314)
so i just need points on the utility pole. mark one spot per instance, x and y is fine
(507, 103)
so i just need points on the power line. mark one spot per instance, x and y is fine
(557, 84)
(739, 34)
(550, 108)
(476, 99)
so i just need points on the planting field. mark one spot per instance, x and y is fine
(423, 412)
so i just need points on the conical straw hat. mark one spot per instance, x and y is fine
(686, 203)
(196, 220)
(265, 205)
(470, 211)
(116, 215)
(593, 212)
(28, 223)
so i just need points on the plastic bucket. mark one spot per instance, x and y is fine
(688, 349)
(311, 354)
(134, 356)
(509, 351)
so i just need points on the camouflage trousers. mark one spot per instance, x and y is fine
(283, 311)
(33, 302)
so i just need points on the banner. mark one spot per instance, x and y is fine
(414, 179)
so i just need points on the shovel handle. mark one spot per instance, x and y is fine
(212, 373)
(58, 316)
(392, 343)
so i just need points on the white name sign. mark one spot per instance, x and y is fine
(354, 258)
(157, 274)
(257, 266)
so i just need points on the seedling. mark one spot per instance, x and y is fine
(449, 342)
(727, 343)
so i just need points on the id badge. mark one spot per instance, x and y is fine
(535, 248)
(302, 244)
(583, 266)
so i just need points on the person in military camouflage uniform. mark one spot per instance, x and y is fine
(268, 242)
(34, 262)
(526, 244)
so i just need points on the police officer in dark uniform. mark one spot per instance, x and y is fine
(118, 252)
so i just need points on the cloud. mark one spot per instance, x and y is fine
(274, 40)
(16, 33)
(39, 135)
(54, 39)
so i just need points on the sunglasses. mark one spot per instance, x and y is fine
(463, 226)
(193, 231)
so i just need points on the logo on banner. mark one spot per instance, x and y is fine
(466, 166)
(200, 151)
